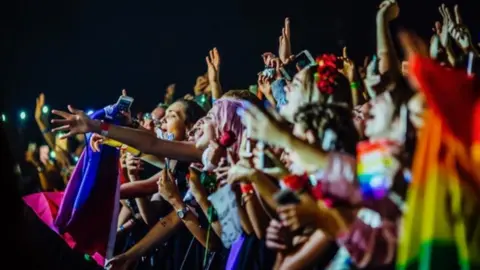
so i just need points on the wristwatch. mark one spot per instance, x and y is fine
(183, 212)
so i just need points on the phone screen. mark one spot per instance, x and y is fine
(124, 103)
(302, 60)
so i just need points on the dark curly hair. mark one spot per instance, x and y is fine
(193, 111)
(334, 117)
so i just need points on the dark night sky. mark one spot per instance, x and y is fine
(85, 52)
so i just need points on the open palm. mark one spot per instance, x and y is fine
(75, 122)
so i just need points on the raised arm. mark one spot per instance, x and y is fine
(78, 122)
(385, 49)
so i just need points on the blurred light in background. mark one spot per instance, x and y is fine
(23, 115)
(89, 112)
(4, 118)
(75, 158)
(45, 109)
(52, 154)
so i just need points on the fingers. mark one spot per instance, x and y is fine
(61, 128)
(287, 28)
(458, 17)
(124, 92)
(209, 62)
(67, 135)
(61, 114)
(61, 121)
(73, 110)
(216, 56)
(440, 9)
(344, 53)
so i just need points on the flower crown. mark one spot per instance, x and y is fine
(327, 73)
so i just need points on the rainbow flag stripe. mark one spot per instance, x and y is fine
(375, 166)
(441, 227)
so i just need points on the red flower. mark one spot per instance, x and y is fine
(326, 73)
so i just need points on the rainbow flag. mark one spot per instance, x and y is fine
(375, 167)
(441, 227)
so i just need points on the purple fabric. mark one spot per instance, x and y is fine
(232, 261)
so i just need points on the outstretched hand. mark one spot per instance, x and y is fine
(75, 122)
(213, 63)
(263, 126)
(284, 46)
(348, 70)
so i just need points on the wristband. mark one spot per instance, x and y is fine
(246, 188)
(121, 228)
(354, 85)
(296, 183)
(104, 127)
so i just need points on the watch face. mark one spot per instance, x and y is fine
(181, 214)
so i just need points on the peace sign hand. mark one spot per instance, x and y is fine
(75, 122)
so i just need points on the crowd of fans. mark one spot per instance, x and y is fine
(333, 165)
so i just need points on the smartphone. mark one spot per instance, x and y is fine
(286, 196)
(302, 60)
(269, 72)
(124, 103)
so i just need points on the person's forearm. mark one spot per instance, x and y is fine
(244, 220)
(154, 160)
(149, 144)
(266, 189)
(158, 234)
(193, 225)
(140, 188)
(124, 215)
(145, 211)
(202, 199)
(216, 89)
(47, 135)
(388, 61)
(258, 218)
(308, 254)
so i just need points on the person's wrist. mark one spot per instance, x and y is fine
(177, 203)
(94, 125)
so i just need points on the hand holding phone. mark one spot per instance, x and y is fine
(301, 61)
(124, 103)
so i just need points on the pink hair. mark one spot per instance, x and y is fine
(223, 117)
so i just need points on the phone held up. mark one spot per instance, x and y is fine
(301, 61)
(124, 103)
